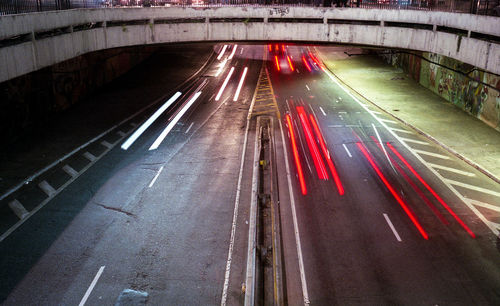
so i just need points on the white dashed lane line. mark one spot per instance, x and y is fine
(392, 227)
(347, 150)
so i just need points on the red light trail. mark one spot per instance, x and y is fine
(296, 156)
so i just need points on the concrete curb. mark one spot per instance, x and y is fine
(419, 131)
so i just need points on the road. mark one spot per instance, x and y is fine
(162, 202)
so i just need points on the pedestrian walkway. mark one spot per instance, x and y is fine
(397, 94)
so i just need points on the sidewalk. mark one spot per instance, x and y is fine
(396, 93)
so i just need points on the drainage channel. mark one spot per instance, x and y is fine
(264, 284)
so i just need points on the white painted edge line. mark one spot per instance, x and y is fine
(236, 205)
(347, 150)
(308, 88)
(392, 227)
(156, 177)
(473, 187)
(189, 128)
(485, 205)
(92, 285)
(322, 111)
(69, 170)
(47, 188)
(452, 170)
(415, 141)
(431, 154)
(488, 223)
(252, 228)
(18, 209)
(150, 121)
(402, 131)
(305, 294)
(174, 121)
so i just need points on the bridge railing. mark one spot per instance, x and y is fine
(481, 7)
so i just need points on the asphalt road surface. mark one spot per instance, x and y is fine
(160, 204)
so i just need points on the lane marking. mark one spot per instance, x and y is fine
(237, 202)
(451, 170)
(174, 121)
(106, 144)
(347, 150)
(336, 126)
(387, 120)
(189, 128)
(92, 285)
(121, 133)
(473, 187)
(415, 141)
(241, 50)
(18, 209)
(402, 131)
(485, 205)
(47, 188)
(431, 154)
(392, 227)
(133, 124)
(90, 156)
(156, 176)
(342, 112)
(150, 121)
(305, 294)
(308, 88)
(252, 228)
(69, 170)
(321, 109)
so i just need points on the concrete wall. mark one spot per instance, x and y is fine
(29, 42)
(474, 91)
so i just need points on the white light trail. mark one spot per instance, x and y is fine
(150, 121)
(234, 51)
(221, 90)
(237, 94)
(222, 52)
(174, 121)
(221, 67)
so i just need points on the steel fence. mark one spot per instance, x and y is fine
(482, 7)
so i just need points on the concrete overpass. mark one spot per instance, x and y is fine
(29, 42)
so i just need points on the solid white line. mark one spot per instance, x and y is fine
(150, 121)
(189, 128)
(431, 154)
(234, 51)
(172, 123)
(473, 187)
(387, 120)
(485, 205)
(18, 209)
(347, 150)
(222, 52)
(252, 227)
(451, 170)
(305, 294)
(89, 156)
(402, 131)
(92, 285)
(321, 109)
(45, 186)
(156, 176)
(308, 88)
(240, 84)
(221, 90)
(236, 206)
(415, 141)
(69, 170)
(392, 227)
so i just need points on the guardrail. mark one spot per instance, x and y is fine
(480, 7)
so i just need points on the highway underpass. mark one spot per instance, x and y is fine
(176, 195)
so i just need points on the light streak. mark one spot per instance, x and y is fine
(174, 121)
(240, 84)
(296, 156)
(150, 121)
(221, 90)
(222, 52)
(313, 148)
(221, 67)
(290, 63)
(306, 63)
(440, 200)
(234, 51)
(277, 62)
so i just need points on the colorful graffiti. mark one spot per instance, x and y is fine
(466, 90)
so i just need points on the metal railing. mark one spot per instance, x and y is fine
(482, 7)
